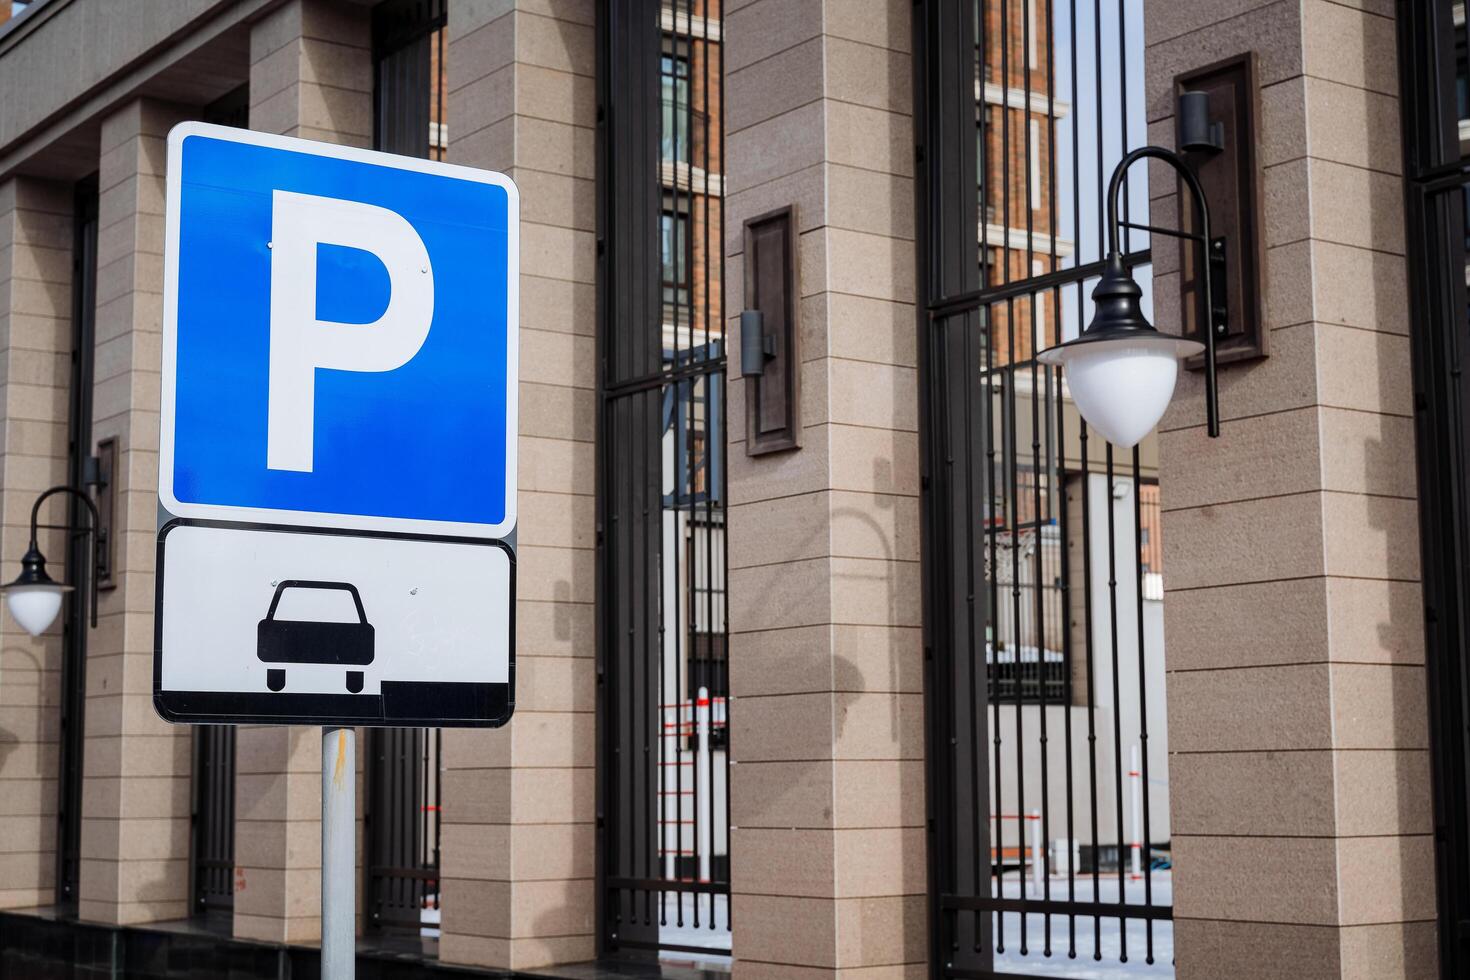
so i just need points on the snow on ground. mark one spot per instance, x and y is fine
(717, 939)
(1109, 939)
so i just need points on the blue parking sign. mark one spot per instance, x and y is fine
(339, 344)
(337, 437)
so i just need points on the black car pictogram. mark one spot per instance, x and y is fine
(294, 641)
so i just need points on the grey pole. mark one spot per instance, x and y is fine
(339, 906)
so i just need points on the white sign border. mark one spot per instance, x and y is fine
(169, 383)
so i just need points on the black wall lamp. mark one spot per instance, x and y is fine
(1121, 371)
(34, 598)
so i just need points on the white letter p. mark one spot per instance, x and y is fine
(300, 343)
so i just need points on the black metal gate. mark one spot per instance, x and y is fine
(663, 818)
(75, 622)
(402, 823)
(213, 845)
(1047, 782)
(409, 38)
(1435, 114)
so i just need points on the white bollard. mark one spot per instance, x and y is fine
(703, 803)
(1135, 777)
(1066, 854)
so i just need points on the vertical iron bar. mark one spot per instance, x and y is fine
(1091, 680)
(1008, 461)
(991, 882)
(1117, 701)
(975, 660)
(1097, 120)
(718, 129)
(681, 676)
(997, 859)
(697, 533)
(1013, 488)
(652, 647)
(1066, 529)
(680, 234)
(1092, 687)
(669, 280)
(665, 697)
(711, 436)
(1123, 134)
(1036, 478)
(1148, 872)
(629, 676)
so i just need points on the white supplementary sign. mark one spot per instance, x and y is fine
(337, 466)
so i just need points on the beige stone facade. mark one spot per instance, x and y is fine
(36, 230)
(518, 835)
(1300, 787)
(826, 659)
(1303, 730)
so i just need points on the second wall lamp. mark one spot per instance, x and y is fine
(1121, 370)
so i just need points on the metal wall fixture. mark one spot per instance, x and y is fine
(34, 597)
(1121, 370)
(1218, 136)
(770, 358)
(1216, 113)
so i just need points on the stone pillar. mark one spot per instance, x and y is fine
(35, 341)
(135, 801)
(828, 857)
(310, 76)
(311, 72)
(518, 838)
(1301, 794)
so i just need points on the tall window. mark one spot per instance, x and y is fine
(676, 110)
(674, 261)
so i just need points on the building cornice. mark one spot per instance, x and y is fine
(1016, 239)
(1038, 102)
(685, 25)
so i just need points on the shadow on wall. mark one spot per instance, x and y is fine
(34, 873)
(867, 537)
(1390, 502)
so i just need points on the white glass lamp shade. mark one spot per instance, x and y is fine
(1122, 386)
(35, 606)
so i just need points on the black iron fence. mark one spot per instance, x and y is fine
(1435, 114)
(663, 804)
(213, 846)
(1047, 760)
(402, 828)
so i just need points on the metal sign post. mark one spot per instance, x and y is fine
(339, 905)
